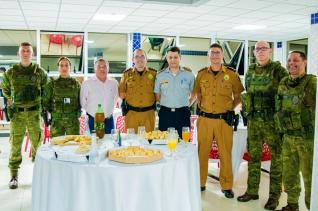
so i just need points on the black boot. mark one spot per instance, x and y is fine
(271, 203)
(13, 184)
(291, 207)
(247, 197)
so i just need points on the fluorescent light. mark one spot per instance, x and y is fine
(249, 27)
(108, 17)
(90, 41)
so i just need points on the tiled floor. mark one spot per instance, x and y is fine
(212, 198)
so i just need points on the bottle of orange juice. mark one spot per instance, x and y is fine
(99, 122)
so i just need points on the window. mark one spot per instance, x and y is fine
(9, 45)
(57, 44)
(112, 47)
(194, 52)
(156, 48)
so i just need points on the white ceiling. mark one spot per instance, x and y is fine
(285, 19)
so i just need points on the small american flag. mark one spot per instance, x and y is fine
(82, 120)
(120, 123)
(193, 126)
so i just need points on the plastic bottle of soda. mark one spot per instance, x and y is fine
(99, 122)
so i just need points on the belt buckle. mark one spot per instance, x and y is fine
(173, 109)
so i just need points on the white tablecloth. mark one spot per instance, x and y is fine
(166, 185)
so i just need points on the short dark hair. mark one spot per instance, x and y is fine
(174, 49)
(301, 54)
(2, 69)
(140, 49)
(25, 44)
(216, 45)
(63, 58)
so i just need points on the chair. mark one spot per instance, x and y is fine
(56, 39)
(77, 40)
(266, 154)
(46, 138)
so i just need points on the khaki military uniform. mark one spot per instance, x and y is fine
(61, 99)
(295, 118)
(261, 83)
(23, 86)
(139, 94)
(215, 95)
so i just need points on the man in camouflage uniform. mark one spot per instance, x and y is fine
(295, 118)
(61, 99)
(136, 88)
(261, 83)
(22, 86)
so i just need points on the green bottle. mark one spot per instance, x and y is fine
(99, 122)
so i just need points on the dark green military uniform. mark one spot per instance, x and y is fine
(261, 83)
(61, 99)
(295, 105)
(23, 86)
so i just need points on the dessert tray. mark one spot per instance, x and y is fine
(135, 155)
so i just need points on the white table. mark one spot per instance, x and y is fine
(166, 185)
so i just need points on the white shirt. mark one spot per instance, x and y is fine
(94, 92)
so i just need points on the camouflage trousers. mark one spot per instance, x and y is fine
(64, 126)
(21, 121)
(258, 133)
(297, 157)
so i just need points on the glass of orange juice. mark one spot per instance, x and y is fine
(186, 134)
(172, 141)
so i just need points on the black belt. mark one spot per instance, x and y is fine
(173, 109)
(213, 116)
(33, 108)
(140, 109)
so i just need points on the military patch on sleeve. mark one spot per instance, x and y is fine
(226, 77)
(150, 76)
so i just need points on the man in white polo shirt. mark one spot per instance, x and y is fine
(100, 90)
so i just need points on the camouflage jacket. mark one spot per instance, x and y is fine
(24, 85)
(62, 96)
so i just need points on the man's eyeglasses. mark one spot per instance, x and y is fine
(262, 49)
(215, 53)
(140, 57)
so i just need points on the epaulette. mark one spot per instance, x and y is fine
(128, 69)
(187, 69)
(203, 69)
(149, 68)
(230, 68)
(161, 71)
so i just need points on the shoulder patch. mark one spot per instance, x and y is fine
(187, 69)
